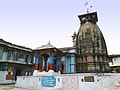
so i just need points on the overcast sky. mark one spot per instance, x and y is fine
(33, 23)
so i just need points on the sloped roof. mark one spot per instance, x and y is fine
(11, 45)
(47, 46)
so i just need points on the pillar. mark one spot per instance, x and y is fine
(58, 65)
(51, 63)
(44, 65)
(37, 62)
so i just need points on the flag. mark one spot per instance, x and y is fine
(86, 3)
(90, 6)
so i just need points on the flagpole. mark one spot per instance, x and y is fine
(86, 4)
(88, 7)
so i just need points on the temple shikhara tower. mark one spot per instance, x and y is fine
(91, 47)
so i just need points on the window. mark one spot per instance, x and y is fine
(21, 56)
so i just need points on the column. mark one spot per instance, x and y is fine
(44, 65)
(58, 65)
(51, 63)
(37, 62)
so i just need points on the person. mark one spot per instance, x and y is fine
(15, 78)
(62, 68)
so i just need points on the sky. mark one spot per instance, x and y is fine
(33, 23)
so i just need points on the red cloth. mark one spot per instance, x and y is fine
(36, 66)
(51, 66)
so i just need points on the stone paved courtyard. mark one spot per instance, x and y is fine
(10, 87)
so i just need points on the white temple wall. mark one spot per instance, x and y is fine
(115, 61)
(102, 81)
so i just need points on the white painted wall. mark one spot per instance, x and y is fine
(21, 60)
(32, 82)
(115, 61)
(3, 75)
(70, 82)
(4, 56)
(102, 81)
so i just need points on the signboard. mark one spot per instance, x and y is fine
(49, 81)
(89, 78)
(9, 77)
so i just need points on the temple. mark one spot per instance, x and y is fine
(92, 55)
(84, 66)
(47, 60)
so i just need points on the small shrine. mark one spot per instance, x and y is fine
(47, 60)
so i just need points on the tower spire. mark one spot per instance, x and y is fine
(74, 38)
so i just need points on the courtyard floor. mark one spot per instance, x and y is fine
(10, 87)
